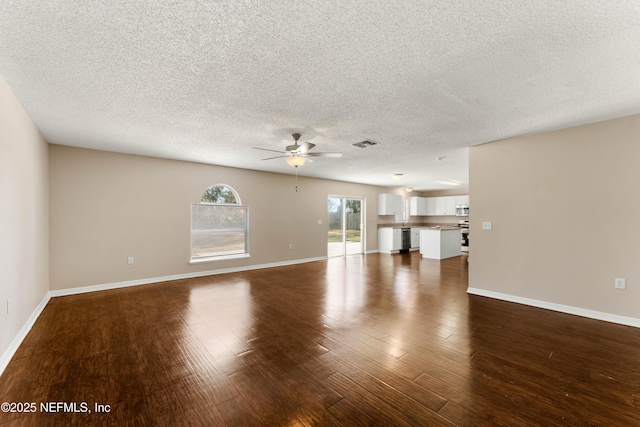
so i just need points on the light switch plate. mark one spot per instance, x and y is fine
(486, 225)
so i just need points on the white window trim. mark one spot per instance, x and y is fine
(219, 258)
(215, 258)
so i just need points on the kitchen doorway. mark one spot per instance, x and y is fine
(345, 226)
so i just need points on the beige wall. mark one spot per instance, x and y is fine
(564, 208)
(24, 220)
(106, 207)
(439, 193)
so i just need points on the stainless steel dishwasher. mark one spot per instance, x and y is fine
(406, 240)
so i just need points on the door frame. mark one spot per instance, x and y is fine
(363, 225)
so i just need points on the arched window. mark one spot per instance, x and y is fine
(219, 226)
(220, 193)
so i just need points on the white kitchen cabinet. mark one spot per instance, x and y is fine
(442, 206)
(389, 240)
(445, 205)
(418, 206)
(431, 205)
(415, 238)
(440, 244)
(462, 200)
(389, 204)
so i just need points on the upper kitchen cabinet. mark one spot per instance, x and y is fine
(389, 204)
(462, 200)
(418, 206)
(445, 205)
(431, 205)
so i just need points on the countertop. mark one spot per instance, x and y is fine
(425, 226)
(448, 228)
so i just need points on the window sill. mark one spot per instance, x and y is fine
(218, 258)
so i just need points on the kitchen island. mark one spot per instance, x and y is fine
(440, 243)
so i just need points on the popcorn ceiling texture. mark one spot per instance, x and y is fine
(207, 80)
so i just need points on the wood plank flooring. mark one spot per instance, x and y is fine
(390, 340)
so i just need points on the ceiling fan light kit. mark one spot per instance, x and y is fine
(297, 155)
(296, 161)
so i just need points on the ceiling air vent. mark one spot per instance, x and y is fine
(364, 144)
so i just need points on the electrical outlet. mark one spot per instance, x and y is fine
(130, 260)
(290, 246)
(620, 283)
(319, 222)
(486, 225)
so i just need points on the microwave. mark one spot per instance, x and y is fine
(462, 210)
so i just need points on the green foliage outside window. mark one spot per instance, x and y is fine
(219, 194)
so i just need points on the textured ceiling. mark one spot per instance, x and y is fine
(207, 80)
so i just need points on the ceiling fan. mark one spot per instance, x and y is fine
(298, 154)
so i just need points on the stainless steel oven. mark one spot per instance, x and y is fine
(464, 231)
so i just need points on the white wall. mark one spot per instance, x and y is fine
(24, 219)
(564, 207)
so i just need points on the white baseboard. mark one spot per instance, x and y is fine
(591, 314)
(116, 285)
(13, 347)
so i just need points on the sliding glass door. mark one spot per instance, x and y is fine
(345, 226)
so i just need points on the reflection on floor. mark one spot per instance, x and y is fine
(338, 249)
(362, 340)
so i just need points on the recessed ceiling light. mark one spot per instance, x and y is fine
(397, 175)
(448, 182)
(408, 190)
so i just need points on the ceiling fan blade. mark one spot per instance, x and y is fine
(305, 147)
(266, 149)
(276, 157)
(321, 154)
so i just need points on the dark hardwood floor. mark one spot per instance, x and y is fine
(391, 340)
